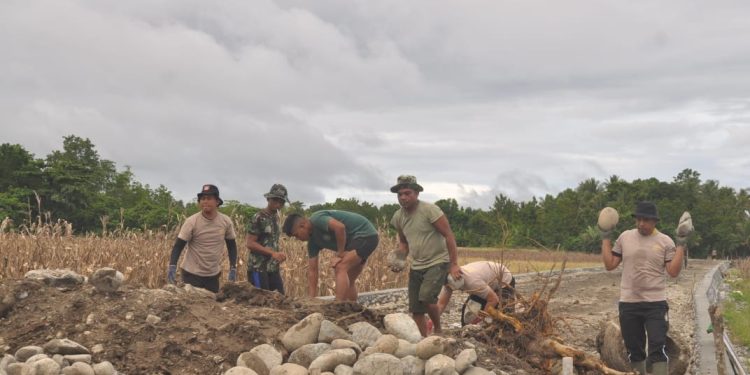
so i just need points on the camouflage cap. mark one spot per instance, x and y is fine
(406, 181)
(277, 191)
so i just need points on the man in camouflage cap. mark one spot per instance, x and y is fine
(263, 266)
(424, 234)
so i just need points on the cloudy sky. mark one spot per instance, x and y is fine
(336, 98)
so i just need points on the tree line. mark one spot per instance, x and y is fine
(77, 185)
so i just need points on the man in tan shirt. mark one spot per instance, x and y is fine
(205, 234)
(647, 256)
(488, 284)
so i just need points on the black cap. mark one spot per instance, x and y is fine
(209, 189)
(646, 210)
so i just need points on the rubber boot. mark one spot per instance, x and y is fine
(659, 368)
(639, 366)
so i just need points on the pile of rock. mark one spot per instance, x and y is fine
(58, 356)
(105, 280)
(319, 346)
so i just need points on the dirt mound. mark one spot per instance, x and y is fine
(195, 333)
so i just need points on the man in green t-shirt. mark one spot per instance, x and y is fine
(265, 258)
(426, 236)
(350, 235)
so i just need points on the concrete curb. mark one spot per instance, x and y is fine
(706, 294)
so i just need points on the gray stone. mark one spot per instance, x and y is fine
(440, 364)
(20, 369)
(78, 368)
(476, 371)
(153, 319)
(73, 358)
(465, 359)
(384, 344)
(27, 352)
(402, 326)
(431, 346)
(364, 334)
(329, 331)
(65, 346)
(412, 365)
(6, 360)
(289, 369)
(405, 348)
(64, 279)
(252, 361)
(303, 333)
(46, 366)
(307, 353)
(270, 356)
(96, 349)
(104, 368)
(332, 358)
(343, 370)
(379, 364)
(106, 279)
(343, 344)
(35, 358)
(240, 371)
(60, 360)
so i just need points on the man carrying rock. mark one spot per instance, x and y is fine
(205, 234)
(350, 235)
(489, 284)
(425, 234)
(262, 239)
(647, 256)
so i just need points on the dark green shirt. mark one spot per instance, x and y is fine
(357, 226)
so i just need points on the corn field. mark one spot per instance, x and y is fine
(142, 256)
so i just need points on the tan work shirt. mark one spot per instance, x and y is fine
(644, 258)
(205, 243)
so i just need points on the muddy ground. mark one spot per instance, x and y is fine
(200, 335)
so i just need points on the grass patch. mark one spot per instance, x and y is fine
(737, 305)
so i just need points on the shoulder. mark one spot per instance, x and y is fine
(225, 219)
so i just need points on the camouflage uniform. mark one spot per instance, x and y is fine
(266, 227)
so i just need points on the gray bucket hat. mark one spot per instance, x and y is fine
(277, 191)
(406, 181)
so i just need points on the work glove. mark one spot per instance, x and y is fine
(172, 274)
(684, 229)
(608, 218)
(232, 274)
(396, 260)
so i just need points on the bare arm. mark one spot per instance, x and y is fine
(492, 300)
(675, 265)
(403, 245)
(312, 277)
(254, 246)
(610, 260)
(444, 228)
(339, 229)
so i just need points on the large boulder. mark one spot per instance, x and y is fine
(64, 279)
(329, 360)
(65, 347)
(289, 369)
(253, 362)
(433, 345)
(106, 279)
(465, 359)
(612, 350)
(364, 334)
(268, 354)
(440, 365)
(329, 331)
(412, 365)
(379, 364)
(303, 333)
(402, 326)
(307, 353)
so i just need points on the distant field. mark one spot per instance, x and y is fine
(529, 260)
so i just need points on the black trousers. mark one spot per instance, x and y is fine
(206, 282)
(266, 280)
(637, 319)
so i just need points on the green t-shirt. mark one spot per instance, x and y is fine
(427, 247)
(357, 226)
